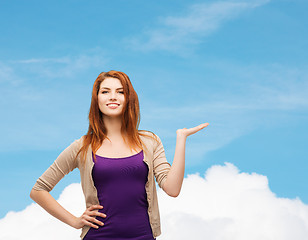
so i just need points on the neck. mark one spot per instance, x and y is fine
(113, 126)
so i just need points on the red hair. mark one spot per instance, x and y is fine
(130, 116)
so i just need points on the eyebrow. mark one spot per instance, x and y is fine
(109, 88)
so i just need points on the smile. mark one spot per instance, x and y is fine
(112, 105)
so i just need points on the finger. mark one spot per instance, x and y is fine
(99, 214)
(97, 206)
(92, 207)
(95, 213)
(102, 215)
(93, 220)
(90, 224)
(98, 222)
(203, 125)
(197, 128)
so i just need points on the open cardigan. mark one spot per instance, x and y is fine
(154, 157)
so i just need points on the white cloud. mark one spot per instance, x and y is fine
(44, 60)
(8, 75)
(225, 204)
(35, 223)
(62, 67)
(175, 32)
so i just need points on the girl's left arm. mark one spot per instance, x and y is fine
(173, 183)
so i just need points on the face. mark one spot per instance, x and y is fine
(111, 97)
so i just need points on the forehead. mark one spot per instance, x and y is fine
(110, 82)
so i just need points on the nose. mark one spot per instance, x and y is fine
(113, 95)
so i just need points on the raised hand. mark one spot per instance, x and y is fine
(87, 217)
(186, 132)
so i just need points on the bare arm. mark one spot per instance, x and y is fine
(173, 184)
(46, 201)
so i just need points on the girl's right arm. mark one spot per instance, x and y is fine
(64, 164)
(46, 201)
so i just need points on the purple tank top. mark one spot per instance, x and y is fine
(120, 184)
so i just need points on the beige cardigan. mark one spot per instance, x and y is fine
(154, 157)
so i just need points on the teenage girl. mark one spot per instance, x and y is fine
(117, 164)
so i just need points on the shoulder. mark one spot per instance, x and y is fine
(77, 143)
(149, 137)
(147, 134)
(78, 140)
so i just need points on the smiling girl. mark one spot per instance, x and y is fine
(118, 166)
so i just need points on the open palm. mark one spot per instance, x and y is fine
(189, 131)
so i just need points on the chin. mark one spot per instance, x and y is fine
(112, 115)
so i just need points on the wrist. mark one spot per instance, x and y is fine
(74, 222)
(180, 136)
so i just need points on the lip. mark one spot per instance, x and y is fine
(113, 104)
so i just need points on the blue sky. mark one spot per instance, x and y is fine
(239, 65)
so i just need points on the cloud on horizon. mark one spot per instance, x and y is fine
(224, 204)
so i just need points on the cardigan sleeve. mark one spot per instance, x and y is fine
(64, 164)
(161, 166)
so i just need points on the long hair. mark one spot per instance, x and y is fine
(130, 117)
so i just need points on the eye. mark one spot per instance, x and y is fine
(104, 91)
(121, 92)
